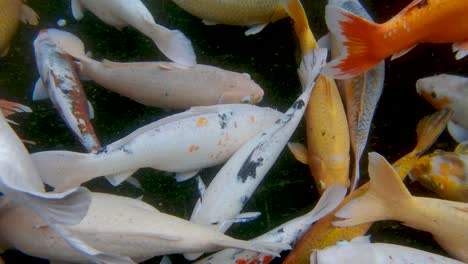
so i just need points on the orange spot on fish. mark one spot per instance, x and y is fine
(438, 103)
(252, 119)
(202, 122)
(193, 148)
(241, 261)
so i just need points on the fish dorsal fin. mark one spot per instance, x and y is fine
(411, 6)
(28, 16)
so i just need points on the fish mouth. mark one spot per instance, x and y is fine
(251, 99)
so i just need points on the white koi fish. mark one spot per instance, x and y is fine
(360, 94)
(448, 91)
(21, 184)
(287, 233)
(60, 82)
(220, 204)
(183, 143)
(229, 191)
(388, 199)
(163, 84)
(361, 250)
(121, 13)
(121, 226)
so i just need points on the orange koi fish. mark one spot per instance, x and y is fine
(323, 234)
(367, 43)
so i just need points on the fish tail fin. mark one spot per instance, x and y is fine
(358, 37)
(427, 130)
(9, 108)
(387, 195)
(172, 43)
(63, 169)
(67, 208)
(296, 11)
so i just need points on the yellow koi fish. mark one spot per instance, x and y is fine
(445, 173)
(11, 11)
(254, 14)
(388, 199)
(327, 136)
(323, 234)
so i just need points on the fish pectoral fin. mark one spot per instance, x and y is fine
(183, 176)
(324, 41)
(77, 9)
(201, 186)
(403, 52)
(39, 91)
(255, 29)
(135, 182)
(209, 22)
(120, 177)
(457, 132)
(245, 217)
(90, 110)
(299, 151)
(165, 260)
(461, 48)
(28, 16)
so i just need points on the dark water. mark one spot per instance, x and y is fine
(271, 58)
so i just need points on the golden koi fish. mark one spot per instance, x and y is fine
(327, 136)
(445, 173)
(11, 11)
(323, 234)
(367, 43)
(254, 14)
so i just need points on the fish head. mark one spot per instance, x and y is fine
(444, 90)
(240, 88)
(444, 173)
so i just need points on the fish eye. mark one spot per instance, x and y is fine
(246, 99)
(433, 94)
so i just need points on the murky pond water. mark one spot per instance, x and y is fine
(271, 58)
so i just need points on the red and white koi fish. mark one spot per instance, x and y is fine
(376, 253)
(448, 91)
(183, 143)
(20, 183)
(360, 94)
(121, 13)
(367, 43)
(286, 233)
(121, 226)
(163, 84)
(388, 199)
(60, 82)
(218, 208)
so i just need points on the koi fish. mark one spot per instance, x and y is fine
(377, 253)
(218, 208)
(121, 226)
(367, 43)
(445, 173)
(323, 234)
(10, 12)
(8, 108)
(60, 82)
(327, 136)
(183, 143)
(21, 186)
(254, 14)
(121, 13)
(360, 94)
(163, 84)
(448, 91)
(388, 199)
(286, 233)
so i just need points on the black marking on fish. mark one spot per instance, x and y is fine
(166, 94)
(263, 134)
(223, 119)
(422, 4)
(215, 223)
(102, 150)
(209, 258)
(278, 121)
(281, 230)
(298, 104)
(249, 168)
(126, 150)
